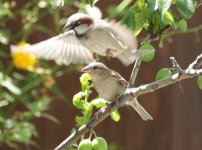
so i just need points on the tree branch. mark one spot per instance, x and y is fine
(130, 93)
(176, 65)
(189, 30)
(149, 38)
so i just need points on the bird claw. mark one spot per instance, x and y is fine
(109, 104)
(96, 115)
(96, 56)
(109, 54)
(117, 103)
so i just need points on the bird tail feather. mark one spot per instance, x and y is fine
(140, 110)
(128, 57)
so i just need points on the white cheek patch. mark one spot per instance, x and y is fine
(82, 29)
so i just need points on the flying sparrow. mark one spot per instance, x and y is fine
(110, 85)
(86, 38)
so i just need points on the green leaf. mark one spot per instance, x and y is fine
(60, 3)
(92, 2)
(149, 57)
(3, 103)
(139, 5)
(129, 18)
(39, 105)
(87, 113)
(186, 8)
(50, 117)
(99, 102)
(2, 119)
(175, 25)
(79, 120)
(23, 132)
(42, 28)
(173, 1)
(164, 5)
(84, 79)
(161, 41)
(123, 5)
(115, 116)
(163, 73)
(6, 12)
(199, 82)
(7, 82)
(78, 102)
(152, 5)
(168, 18)
(183, 25)
(4, 36)
(140, 20)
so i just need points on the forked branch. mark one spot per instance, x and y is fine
(192, 70)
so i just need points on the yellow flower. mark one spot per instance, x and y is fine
(21, 59)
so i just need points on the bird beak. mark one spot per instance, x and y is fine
(68, 26)
(85, 69)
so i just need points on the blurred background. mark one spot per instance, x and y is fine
(36, 106)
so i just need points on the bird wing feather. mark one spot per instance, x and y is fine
(111, 36)
(119, 78)
(104, 38)
(125, 34)
(65, 47)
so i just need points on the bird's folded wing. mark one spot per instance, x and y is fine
(64, 47)
(120, 80)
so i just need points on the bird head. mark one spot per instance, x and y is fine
(96, 70)
(79, 22)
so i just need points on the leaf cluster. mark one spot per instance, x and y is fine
(26, 95)
(156, 15)
(82, 102)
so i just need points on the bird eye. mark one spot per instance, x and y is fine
(95, 67)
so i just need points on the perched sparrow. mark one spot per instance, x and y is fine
(110, 85)
(86, 38)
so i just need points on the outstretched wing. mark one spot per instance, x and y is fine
(65, 47)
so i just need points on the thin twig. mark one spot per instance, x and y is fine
(176, 65)
(197, 63)
(189, 30)
(134, 73)
(179, 70)
(199, 4)
(130, 93)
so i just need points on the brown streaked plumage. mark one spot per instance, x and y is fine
(110, 85)
(86, 36)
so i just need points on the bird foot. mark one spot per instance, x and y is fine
(96, 56)
(109, 54)
(109, 104)
(117, 103)
(97, 115)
